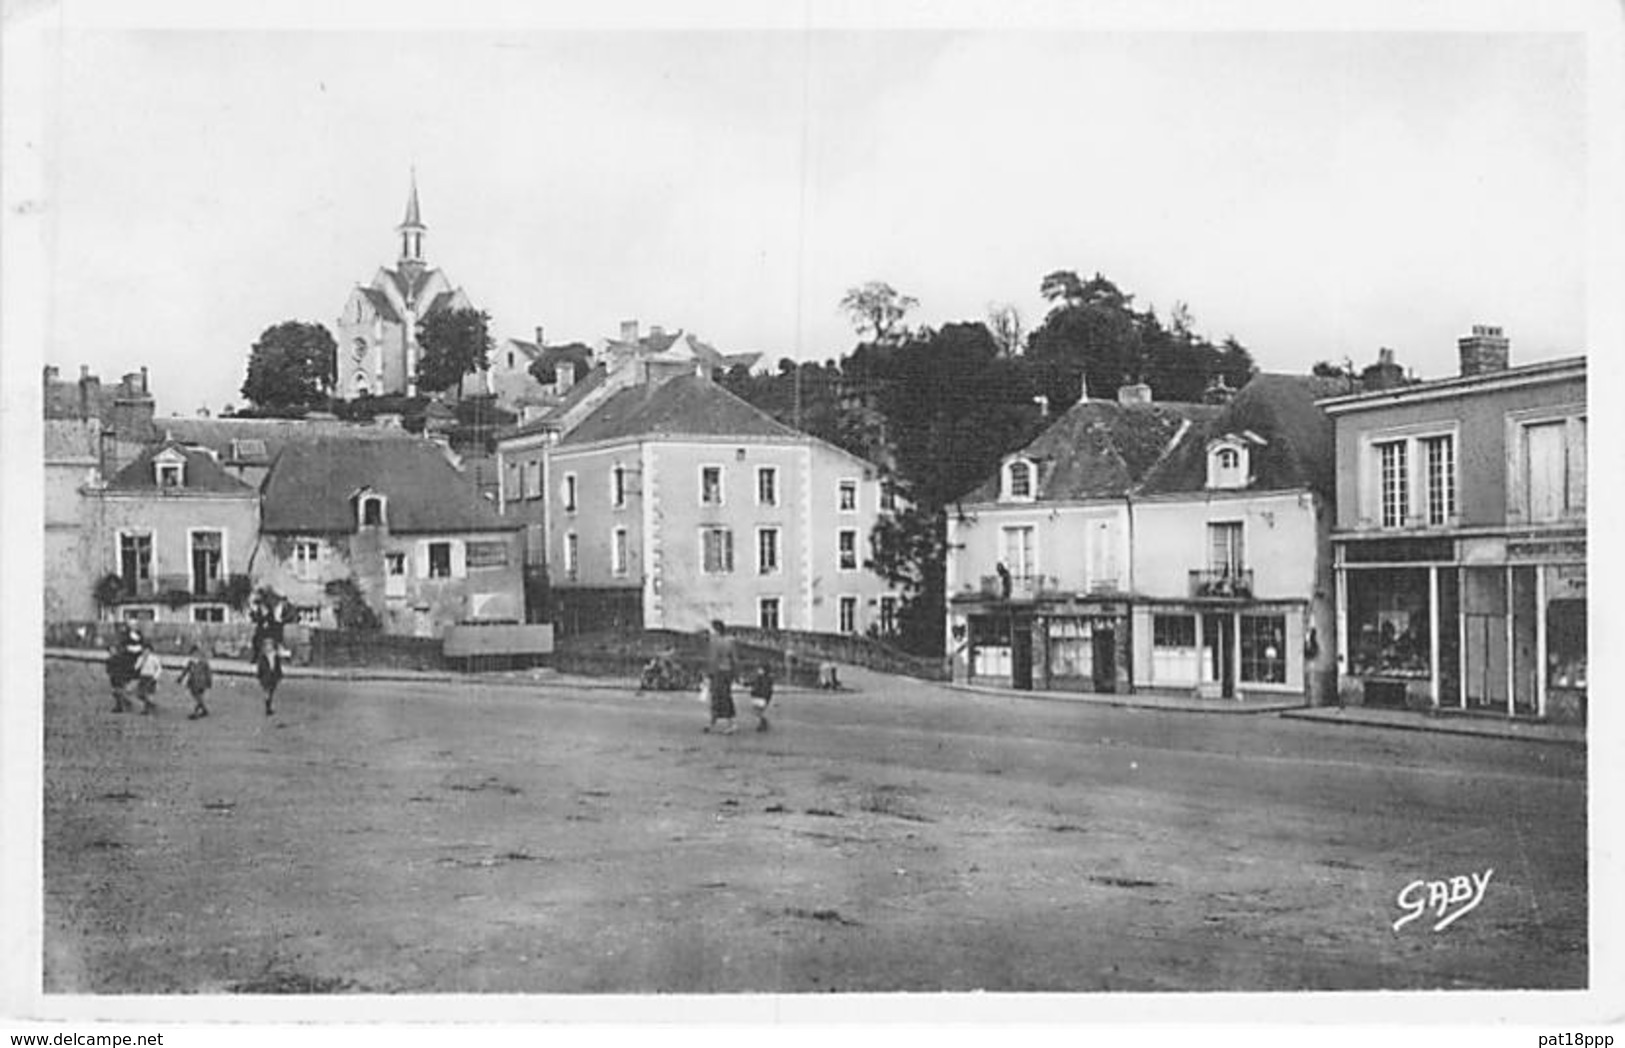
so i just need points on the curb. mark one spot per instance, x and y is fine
(1125, 702)
(1430, 725)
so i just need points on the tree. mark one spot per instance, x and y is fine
(454, 343)
(878, 309)
(291, 368)
(1004, 321)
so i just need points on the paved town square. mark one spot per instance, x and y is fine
(557, 837)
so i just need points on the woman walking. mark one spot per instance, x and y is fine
(719, 661)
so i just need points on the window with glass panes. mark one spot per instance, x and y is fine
(1263, 649)
(1439, 457)
(1393, 481)
(849, 614)
(848, 547)
(767, 551)
(135, 558)
(767, 486)
(1225, 553)
(848, 496)
(767, 613)
(618, 552)
(717, 551)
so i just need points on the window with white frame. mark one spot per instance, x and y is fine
(1263, 649)
(1439, 459)
(1020, 480)
(394, 574)
(1226, 556)
(533, 479)
(208, 560)
(571, 564)
(1552, 468)
(711, 485)
(1175, 658)
(170, 474)
(717, 551)
(440, 560)
(888, 615)
(846, 544)
(512, 481)
(767, 613)
(208, 613)
(767, 485)
(372, 511)
(849, 615)
(1412, 479)
(307, 559)
(1227, 464)
(1393, 482)
(1020, 552)
(617, 486)
(888, 498)
(569, 493)
(767, 551)
(618, 556)
(847, 496)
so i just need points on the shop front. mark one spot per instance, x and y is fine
(1481, 624)
(1051, 646)
(1223, 650)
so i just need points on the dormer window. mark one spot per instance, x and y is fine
(169, 469)
(1227, 465)
(1020, 481)
(370, 509)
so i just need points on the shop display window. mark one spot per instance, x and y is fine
(1388, 623)
(989, 646)
(1263, 649)
(1071, 652)
(1566, 644)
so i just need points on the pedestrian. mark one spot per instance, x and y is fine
(719, 661)
(148, 670)
(761, 695)
(121, 656)
(198, 678)
(268, 668)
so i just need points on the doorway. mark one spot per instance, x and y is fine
(1218, 642)
(1104, 650)
(1021, 654)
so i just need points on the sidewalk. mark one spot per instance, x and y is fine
(1447, 723)
(1145, 700)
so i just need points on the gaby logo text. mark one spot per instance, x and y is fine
(1449, 900)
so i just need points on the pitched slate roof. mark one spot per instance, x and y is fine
(233, 438)
(311, 483)
(410, 281)
(201, 474)
(549, 419)
(382, 304)
(1298, 448)
(1101, 449)
(686, 406)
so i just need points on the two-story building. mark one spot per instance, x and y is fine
(173, 528)
(1136, 545)
(392, 521)
(673, 502)
(1460, 542)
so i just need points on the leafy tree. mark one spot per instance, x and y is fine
(1004, 321)
(454, 343)
(878, 309)
(291, 368)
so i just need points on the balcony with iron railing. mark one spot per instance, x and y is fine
(1021, 587)
(1222, 583)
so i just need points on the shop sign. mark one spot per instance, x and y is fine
(1483, 551)
(1546, 549)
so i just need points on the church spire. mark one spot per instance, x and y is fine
(412, 228)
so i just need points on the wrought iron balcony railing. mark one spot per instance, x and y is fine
(1235, 583)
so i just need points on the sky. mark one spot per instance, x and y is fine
(1318, 195)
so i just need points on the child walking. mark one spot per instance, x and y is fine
(198, 677)
(268, 668)
(761, 695)
(148, 670)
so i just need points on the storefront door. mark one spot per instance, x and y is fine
(1021, 654)
(1218, 638)
(1105, 659)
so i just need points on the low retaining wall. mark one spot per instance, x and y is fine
(222, 639)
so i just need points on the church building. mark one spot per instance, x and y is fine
(377, 332)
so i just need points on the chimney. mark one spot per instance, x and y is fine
(1218, 391)
(629, 331)
(564, 376)
(656, 331)
(52, 373)
(1134, 393)
(1484, 351)
(1043, 405)
(539, 343)
(143, 380)
(1385, 357)
(84, 372)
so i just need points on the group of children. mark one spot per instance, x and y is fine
(132, 665)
